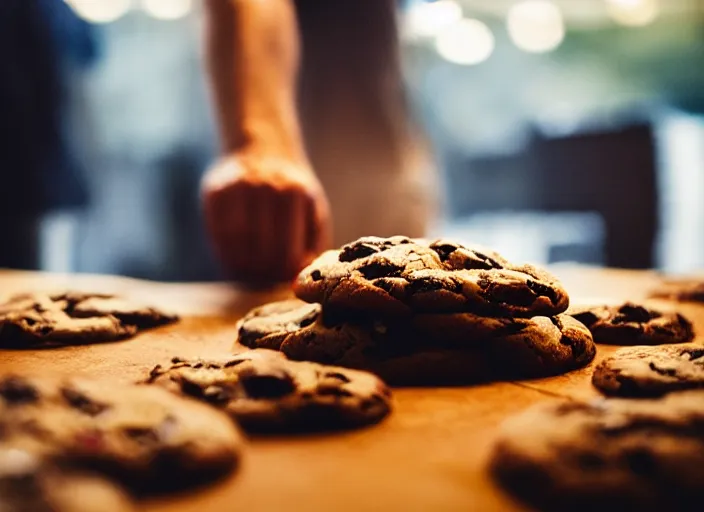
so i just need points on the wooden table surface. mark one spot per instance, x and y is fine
(430, 454)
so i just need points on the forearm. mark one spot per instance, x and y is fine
(252, 54)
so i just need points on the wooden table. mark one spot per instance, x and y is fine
(430, 454)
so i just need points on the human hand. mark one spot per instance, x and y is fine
(267, 217)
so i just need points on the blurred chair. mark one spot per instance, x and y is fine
(612, 173)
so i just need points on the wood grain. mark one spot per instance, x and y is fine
(429, 455)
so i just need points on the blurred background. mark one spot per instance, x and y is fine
(562, 130)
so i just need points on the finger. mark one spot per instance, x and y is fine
(318, 225)
(258, 232)
(240, 235)
(295, 238)
(226, 218)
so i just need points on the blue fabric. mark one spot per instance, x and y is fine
(38, 39)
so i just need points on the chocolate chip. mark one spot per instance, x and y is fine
(309, 319)
(79, 401)
(641, 462)
(357, 250)
(316, 275)
(474, 261)
(188, 387)
(155, 372)
(694, 353)
(142, 435)
(377, 269)
(198, 365)
(665, 372)
(633, 313)
(324, 389)
(586, 317)
(337, 376)
(425, 284)
(481, 261)
(543, 290)
(444, 250)
(17, 391)
(213, 366)
(520, 296)
(682, 320)
(234, 362)
(176, 360)
(306, 322)
(385, 284)
(275, 383)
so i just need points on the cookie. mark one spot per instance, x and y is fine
(28, 484)
(41, 320)
(268, 325)
(398, 276)
(146, 437)
(683, 290)
(613, 454)
(265, 392)
(651, 371)
(425, 349)
(633, 324)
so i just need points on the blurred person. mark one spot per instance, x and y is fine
(272, 202)
(39, 173)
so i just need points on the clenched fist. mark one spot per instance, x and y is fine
(267, 217)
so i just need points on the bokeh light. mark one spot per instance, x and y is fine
(634, 13)
(429, 19)
(100, 11)
(167, 9)
(467, 42)
(536, 26)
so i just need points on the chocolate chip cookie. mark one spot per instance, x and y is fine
(683, 290)
(425, 349)
(633, 324)
(42, 320)
(612, 454)
(265, 392)
(28, 484)
(651, 371)
(146, 437)
(397, 276)
(267, 326)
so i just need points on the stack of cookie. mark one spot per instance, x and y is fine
(417, 312)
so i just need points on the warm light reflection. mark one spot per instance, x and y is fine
(100, 11)
(536, 25)
(635, 13)
(466, 42)
(429, 19)
(167, 9)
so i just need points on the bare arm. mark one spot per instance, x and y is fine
(265, 210)
(252, 56)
